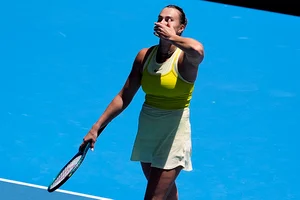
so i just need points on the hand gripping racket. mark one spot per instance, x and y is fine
(70, 168)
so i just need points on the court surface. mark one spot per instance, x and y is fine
(62, 62)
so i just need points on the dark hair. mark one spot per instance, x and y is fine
(183, 19)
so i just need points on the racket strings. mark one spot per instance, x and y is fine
(66, 171)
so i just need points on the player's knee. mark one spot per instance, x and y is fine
(161, 184)
(173, 195)
(161, 192)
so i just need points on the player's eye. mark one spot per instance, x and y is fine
(168, 19)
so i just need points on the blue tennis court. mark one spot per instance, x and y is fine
(62, 62)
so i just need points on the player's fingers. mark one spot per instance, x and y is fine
(156, 28)
(92, 145)
(86, 139)
(160, 33)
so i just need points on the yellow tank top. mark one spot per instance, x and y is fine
(163, 85)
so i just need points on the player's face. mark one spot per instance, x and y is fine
(171, 18)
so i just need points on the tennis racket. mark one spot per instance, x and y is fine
(70, 168)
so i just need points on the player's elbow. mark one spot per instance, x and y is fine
(196, 55)
(126, 97)
(198, 50)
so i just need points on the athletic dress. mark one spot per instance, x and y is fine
(164, 131)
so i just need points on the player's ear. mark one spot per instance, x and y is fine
(181, 29)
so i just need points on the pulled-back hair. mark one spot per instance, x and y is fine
(183, 19)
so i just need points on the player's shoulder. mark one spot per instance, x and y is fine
(144, 53)
(146, 50)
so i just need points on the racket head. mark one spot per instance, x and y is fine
(69, 169)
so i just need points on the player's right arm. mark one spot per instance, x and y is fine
(121, 100)
(126, 94)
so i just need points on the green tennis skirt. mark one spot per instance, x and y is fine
(163, 138)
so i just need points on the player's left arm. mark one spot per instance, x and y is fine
(193, 49)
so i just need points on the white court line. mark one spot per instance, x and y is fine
(58, 190)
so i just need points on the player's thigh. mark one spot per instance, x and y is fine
(160, 182)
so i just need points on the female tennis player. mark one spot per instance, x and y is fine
(167, 73)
